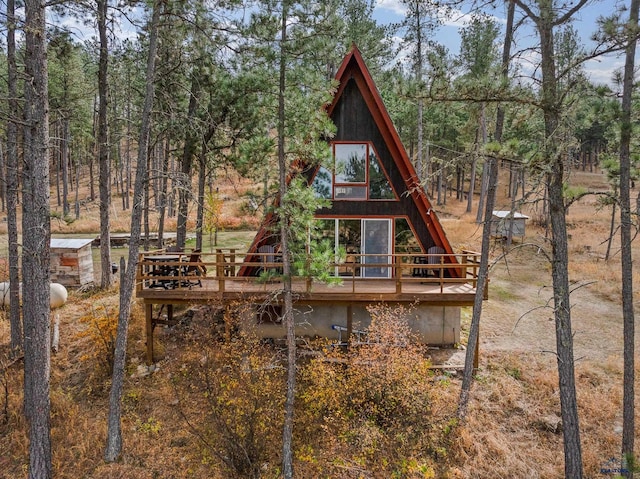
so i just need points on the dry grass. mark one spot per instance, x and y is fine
(511, 428)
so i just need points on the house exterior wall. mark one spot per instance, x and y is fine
(354, 122)
(434, 325)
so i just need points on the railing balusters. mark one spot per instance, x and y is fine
(404, 267)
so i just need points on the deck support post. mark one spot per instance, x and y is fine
(349, 324)
(148, 316)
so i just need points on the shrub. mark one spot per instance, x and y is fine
(369, 408)
(101, 324)
(240, 383)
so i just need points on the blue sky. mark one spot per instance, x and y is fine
(600, 71)
(388, 11)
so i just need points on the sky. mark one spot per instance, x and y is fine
(599, 71)
(392, 11)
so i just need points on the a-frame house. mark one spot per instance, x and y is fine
(373, 180)
(393, 248)
(379, 211)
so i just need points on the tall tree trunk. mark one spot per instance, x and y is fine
(92, 188)
(103, 148)
(421, 167)
(202, 181)
(506, 58)
(184, 192)
(127, 150)
(77, 199)
(484, 180)
(145, 209)
(612, 227)
(12, 182)
(560, 259)
(3, 179)
(287, 319)
(64, 160)
(57, 163)
(562, 313)
(545, 19)
(512, 222)
(483, 274)
(162, 210)
(472, 181)
(628, 409)
(128, 275)
(36, 230)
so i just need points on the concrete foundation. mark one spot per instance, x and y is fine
(434, 325)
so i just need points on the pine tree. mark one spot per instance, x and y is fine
(114, 432)
(36, 231)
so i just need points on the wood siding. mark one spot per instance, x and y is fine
(355, 122)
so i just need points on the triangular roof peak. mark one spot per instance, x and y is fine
(354, 67)
(360, 116)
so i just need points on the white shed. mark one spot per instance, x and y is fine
(501, 220)
(71, 261)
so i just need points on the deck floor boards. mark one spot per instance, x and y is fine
(359, 289)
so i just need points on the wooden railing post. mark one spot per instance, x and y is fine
(397, 263)
(220, 269)
(232, 262)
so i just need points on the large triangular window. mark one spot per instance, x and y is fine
(357, 175)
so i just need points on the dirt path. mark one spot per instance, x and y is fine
(519, 313)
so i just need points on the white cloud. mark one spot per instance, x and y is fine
(394, 6)
(601, 71)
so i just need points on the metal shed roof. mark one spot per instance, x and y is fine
(507, 214)
(70, 243)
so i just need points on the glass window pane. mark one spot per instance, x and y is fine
(350, 193)
(351, 163)
(322, 183)
(325, 230)
(405, 241)
(376, 248)
(349, 244)
(379, 187)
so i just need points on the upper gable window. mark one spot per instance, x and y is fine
(350, 163)
(357, 175)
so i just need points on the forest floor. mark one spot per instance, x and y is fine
(513, 428)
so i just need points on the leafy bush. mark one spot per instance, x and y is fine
(369, 409)
(101, 324)
(241, 385)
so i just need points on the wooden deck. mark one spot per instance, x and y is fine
(169, 278)
(163, 278)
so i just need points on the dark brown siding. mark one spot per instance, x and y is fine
(354, 122)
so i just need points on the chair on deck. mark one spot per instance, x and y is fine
(195, 269)
(268, 258)
(435, 258)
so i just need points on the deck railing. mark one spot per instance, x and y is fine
(176, 270)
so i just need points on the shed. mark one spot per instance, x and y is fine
(501, 221)
(71, 261)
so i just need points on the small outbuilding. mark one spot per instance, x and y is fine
(501, 223)
(71, 261)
